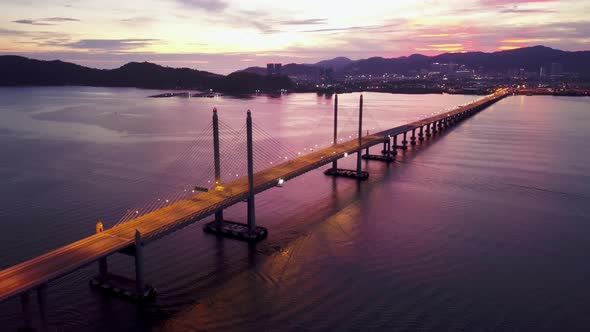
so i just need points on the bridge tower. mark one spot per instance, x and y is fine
(335, 162)
(219, 226)
(358, 173)
(217, 161)
(251, 194)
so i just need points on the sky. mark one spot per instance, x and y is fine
(222, 36)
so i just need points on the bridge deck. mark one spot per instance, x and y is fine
(49, 266)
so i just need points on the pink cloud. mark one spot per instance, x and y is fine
(498, 3)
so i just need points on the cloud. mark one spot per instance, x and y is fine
(30, 22)
(60, 19)
(258, 20)
(138, 21)
(43, 21)
(526, 11)
(208, 5)
(382, 28)
(500, 3)
(8, 32)
(309, 21)
(110, 44)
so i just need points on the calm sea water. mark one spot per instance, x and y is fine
(484, 228)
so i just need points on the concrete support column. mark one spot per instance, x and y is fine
(434, 130)
(335, 162)
(428, 130)
(394, 152)
(103, 268)
(358, 155)
(405, 141)
(42, 301)
(102, 262)
(25, 301)
(217, 159)
(251, 210)
(413, 138)
(421, 134)
(139, 276)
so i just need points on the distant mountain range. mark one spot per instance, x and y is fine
(20, 71)
(528, 58)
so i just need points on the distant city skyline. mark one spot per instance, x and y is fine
(226, 35)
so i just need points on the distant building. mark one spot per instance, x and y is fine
(326, 76)
(453, 67)
(274, 69)
(556, 69)
(270, 68)
(542, 72)
(463, 73)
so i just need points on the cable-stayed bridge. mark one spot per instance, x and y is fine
(266, 168)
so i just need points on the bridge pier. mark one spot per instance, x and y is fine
(421, 134)
(385, 155)
(434, 127)
(135, 290)
(413, 138)
(428, 130)
(27, 310)
(390, 149)
(139, 277)
(25, 301)
(405, 141)
(103, 269)
(42, 301)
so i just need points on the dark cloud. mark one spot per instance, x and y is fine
(30, 22)
(8, 32)
(110, 44)
(60, 19)
(208, 5)
(309, 21)
(43, 21)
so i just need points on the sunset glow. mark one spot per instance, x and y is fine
(223, 35)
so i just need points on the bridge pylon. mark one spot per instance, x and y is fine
(219, 226)
(358, 174)
(335, 141)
